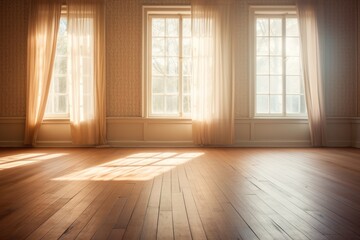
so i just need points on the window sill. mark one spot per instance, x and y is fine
(56, 120)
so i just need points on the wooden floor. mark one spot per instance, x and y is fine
(180, 193)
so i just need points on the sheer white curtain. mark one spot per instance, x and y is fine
(44, 21)
(213, 71)
(312, 71)
(86, 29)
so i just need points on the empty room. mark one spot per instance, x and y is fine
(179, 119)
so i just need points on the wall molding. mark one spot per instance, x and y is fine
(160, 132)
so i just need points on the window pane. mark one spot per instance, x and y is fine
(276, 84)
(49, 105)
(302, 104)
(158, 85)
(262, 65)
(293, 85)
(187, 50)
(186, 104)
(186, 85)
(275, 27)
(172, 104)
(186, 27)
(262, 104)
(262, 84)
(275, 104)
(292, 46)
(292, 27)
(276, 65)
(158, 66)
(292, 66)
(61, 104)
(172, 46)
(187, 66)
(173, 66)
(158, 47)
(158, 27)
(60, 84)
(293, 104)
(276, 46)
(172, 85)
(172, 27)
(158, 104)
(262, 46)
(262, 27)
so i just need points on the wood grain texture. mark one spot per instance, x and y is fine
(180, 193)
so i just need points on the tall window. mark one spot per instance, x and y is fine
(279, 88)
(58, 98)
(169, 64)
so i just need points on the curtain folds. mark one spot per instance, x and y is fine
(309, 38)
(86, 32)
(213, 71)
(44, 18)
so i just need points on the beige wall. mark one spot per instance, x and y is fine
(123, 58)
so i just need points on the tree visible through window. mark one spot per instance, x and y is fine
(279, 89)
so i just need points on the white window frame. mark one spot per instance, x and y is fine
(267, 11)
(149, 12)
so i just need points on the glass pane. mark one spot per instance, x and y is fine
(292, 27)
(158, 104)
(275, 104)
(262, 104)
(173, 66)
(172, 85)
(172, 27)
(158, 27)
(172, 104)
(276, 84)
(187, 50)
(60, 65)
(158, 66)
(302, 104)
(60, 84)
(262, 46)
(186, 27)
(275, 27)
(292, 46)
(158, 46)
(276, 65)
(262, 65)
(293, 85)
(292, 66)
(186, 104)
(292, 104)
(172, 46)
(275, 46)
(262, 84)
(61, 104)
(262, 27)
(49, 104)
(186, 85)
(187, 66)
(158, 85)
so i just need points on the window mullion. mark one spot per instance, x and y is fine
(180, 93)
(284, 63)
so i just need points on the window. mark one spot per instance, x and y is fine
(279, 88)
(58, 98)
(168, 63)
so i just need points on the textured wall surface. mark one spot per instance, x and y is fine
(13, 35)
(123, 56)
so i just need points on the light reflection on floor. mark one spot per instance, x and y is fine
(23, 159)
(135, 167)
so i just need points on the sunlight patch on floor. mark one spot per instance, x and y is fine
(18, 160)
(140, 166)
